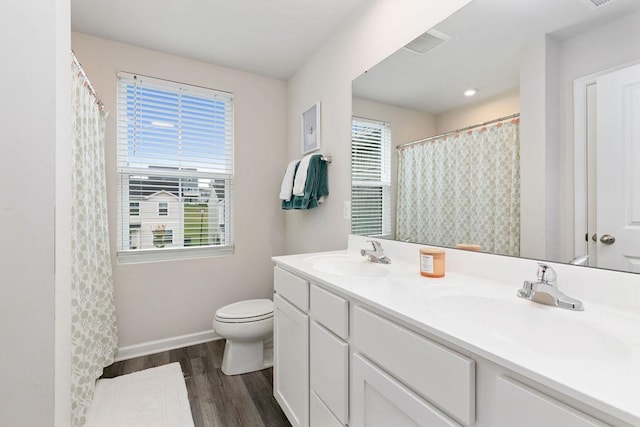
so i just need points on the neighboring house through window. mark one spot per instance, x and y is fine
(175, 169)
(371, 178)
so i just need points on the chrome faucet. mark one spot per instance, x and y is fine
(580, 260)
(545, 290)
(375, 254)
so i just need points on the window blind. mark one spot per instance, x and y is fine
(371, 178)
(175, 167)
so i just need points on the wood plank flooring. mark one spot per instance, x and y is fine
(216, 400)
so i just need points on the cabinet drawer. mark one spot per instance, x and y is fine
(291, 287)
(319, 414)
(329, 378)
(517, 402)
(381, 401)
(442, 376)
(331, 311)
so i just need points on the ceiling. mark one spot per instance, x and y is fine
(483, 52)
(268, 37)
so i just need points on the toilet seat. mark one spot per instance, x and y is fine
(245, 311)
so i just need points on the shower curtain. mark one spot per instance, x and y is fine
(462, 189)
(93, 320)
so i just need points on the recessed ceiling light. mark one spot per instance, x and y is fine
(470, 92)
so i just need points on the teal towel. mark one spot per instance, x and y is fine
(315, 186)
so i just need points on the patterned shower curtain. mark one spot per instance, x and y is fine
(462, 189)
(93, 318)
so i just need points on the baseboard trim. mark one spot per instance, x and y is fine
(151, 347)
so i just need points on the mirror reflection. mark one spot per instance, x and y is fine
(510, 128)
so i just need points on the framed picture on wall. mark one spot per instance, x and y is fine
(311, 129)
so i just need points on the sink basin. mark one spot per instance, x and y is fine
(347, 265)
(537, 328)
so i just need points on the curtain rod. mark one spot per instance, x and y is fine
(512, 116)
(87, 82)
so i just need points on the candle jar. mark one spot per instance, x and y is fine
(432, 262)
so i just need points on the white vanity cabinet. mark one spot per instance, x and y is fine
(339, 361)
(291, 346)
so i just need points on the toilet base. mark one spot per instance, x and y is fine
(241, 357)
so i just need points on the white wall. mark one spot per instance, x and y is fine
(34, 158)
(376, 30)
(540, 146)
(63, 258)
(406, 126)
(499, 106)
(538, 142)
(161, 300)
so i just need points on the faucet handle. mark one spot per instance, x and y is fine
(546, 274)
(377, 246)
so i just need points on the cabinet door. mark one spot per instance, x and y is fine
(519, 405)
(329, 377)
(379, 400)
(291, 361)
(320, 415)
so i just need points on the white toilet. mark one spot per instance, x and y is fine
(248, 328)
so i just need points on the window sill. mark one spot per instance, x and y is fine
(158, 255)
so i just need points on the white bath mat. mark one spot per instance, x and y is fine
(154, 397)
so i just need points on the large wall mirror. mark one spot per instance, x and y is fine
(540, 158)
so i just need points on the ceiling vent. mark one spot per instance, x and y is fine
(594, 4)
(430, 40)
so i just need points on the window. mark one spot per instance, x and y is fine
(175, 169)
(370, 178)
(134, 208)
(163, 208)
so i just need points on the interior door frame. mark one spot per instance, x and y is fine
(580, 190)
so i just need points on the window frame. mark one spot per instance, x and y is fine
(223, 181)
(384, 184)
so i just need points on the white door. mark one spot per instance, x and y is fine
(618, 169)
(291, 361)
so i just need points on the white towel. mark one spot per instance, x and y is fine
(301, 175)
(287, 182)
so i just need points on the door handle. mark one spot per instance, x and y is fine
(594, 237)
(607, 239)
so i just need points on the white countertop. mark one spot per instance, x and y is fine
(592, 355)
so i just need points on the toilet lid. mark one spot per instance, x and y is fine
(254, 309)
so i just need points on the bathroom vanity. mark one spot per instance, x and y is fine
(358, 343)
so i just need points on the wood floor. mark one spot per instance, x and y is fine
(216, 400)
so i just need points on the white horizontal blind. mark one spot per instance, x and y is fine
(371, 178)
(175, 167)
